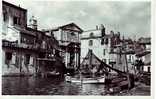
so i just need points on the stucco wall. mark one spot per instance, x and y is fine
(97, 49)
(16, 63)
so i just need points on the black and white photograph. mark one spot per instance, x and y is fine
(76, 48)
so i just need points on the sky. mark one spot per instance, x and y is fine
(131, 19)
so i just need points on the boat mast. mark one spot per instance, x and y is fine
(126, 65)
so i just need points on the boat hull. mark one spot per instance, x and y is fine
(86, 80)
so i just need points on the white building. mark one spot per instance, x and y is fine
(101, 43)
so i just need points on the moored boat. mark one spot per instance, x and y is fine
(90, 71)
(95, 80)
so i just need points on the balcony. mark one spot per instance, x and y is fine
(6, 43)
(27, 46)
(15, 44)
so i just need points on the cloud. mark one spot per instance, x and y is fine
(130, 18)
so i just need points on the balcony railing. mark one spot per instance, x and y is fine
(16, 45)
(9, 44)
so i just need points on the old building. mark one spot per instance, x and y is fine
(134, 54)
(22, 45)
(49, 61)
(124, 58)
(145, 43)
(143, 54)
(68, 37)
(17, 42)
(101, 43)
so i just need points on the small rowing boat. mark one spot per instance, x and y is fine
(96, 80)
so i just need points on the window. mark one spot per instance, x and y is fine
(148, 69)
(8, 57)
(104, 51)
(72, 34)
(91, 34)
(102, 41)
(90, 42)
(129, 59)
(23, 40)
(106, 41)
(16, 20)
(4, 17)
(27, 58)
(27, 39)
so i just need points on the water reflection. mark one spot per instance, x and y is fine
(50, 86)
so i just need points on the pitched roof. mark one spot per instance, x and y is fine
(144, 40)
(65, 26)
(12, 5)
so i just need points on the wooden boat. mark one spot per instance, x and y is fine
(90, 66)
(95, 80)
(118, 87)
(54, 73)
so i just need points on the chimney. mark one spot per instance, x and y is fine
(33, 23)
(118, 34)
(102, 30)
(96, 27)
(112, 33)
(123, 38)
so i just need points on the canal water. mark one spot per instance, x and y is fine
(57, 86)
(47, 86)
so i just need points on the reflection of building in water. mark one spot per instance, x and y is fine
(69, 40)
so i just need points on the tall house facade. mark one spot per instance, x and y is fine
(101, 44)
(68, 37)
(13, 16)
(143, 53)
(16, 41)
(22, 45)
